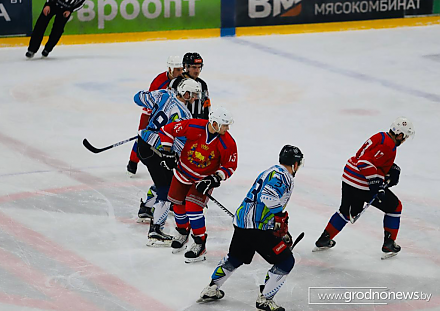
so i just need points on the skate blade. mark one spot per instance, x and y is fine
(319, 249)
(130, 174)
(143, 220)
(158, 243)
(178, 250)
(388, 255)
(192, 260)
(205, 300)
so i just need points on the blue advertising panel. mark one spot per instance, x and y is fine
(15, 17)
(286, 12)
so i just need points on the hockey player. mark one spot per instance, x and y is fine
(193, 64)
(260, 225)
(368, 175)
(162, 81)
(208, 157)
(166, 108)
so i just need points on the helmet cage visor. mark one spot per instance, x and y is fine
(195, 95)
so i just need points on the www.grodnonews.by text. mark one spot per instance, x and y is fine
(362, 295)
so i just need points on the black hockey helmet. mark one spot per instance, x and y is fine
(290, 155)
(192, 59)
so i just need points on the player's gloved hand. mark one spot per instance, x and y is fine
(288, 240)
(281, 224)
(169, 159)
(392, 178)
(209, 182)
(377, 186)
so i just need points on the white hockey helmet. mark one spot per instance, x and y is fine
(191, 86)
(403, 125)
(174, 62)
(220, 115)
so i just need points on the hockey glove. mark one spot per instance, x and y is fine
(377, 187)
(281, 227)
(392, 178)
(209, 182)
(169, 159)
(288, 240)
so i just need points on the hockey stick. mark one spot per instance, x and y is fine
(207, 194)
(98, 150)
(353, 219)
(299, 238)
(220, 205)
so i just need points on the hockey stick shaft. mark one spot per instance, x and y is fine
(207, 194)
(220, 205)
(299, 238)
(98, 150)
(355, 218)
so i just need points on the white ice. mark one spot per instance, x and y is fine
(68, 235)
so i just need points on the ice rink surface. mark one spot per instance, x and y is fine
(68, 233)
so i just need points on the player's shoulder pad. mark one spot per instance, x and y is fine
(199, 122)
(163, 91)
(385, 140)
(226, 140)
(159, 75)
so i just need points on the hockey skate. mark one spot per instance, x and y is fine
(157, 238)
(210, 293)
(389, 247)
(197, 252)
(145, 212)
(45, 53)
(180, 240)
(265, 304)
(131, 168)
(30, 54)
(324, 242)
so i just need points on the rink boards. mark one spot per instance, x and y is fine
(139, 20)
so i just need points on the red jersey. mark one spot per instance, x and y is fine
(204, 153)
(373, 159)
(160, 82)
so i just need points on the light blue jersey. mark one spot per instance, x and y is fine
(166, 108)
(268, 196)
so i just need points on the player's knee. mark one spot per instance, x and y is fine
(162, 193)
(231, 263)
(193, 207)
(285, 266)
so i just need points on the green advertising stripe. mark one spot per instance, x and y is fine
(436, 8)
(120, 16)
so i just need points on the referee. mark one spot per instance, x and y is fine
(61, 9)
